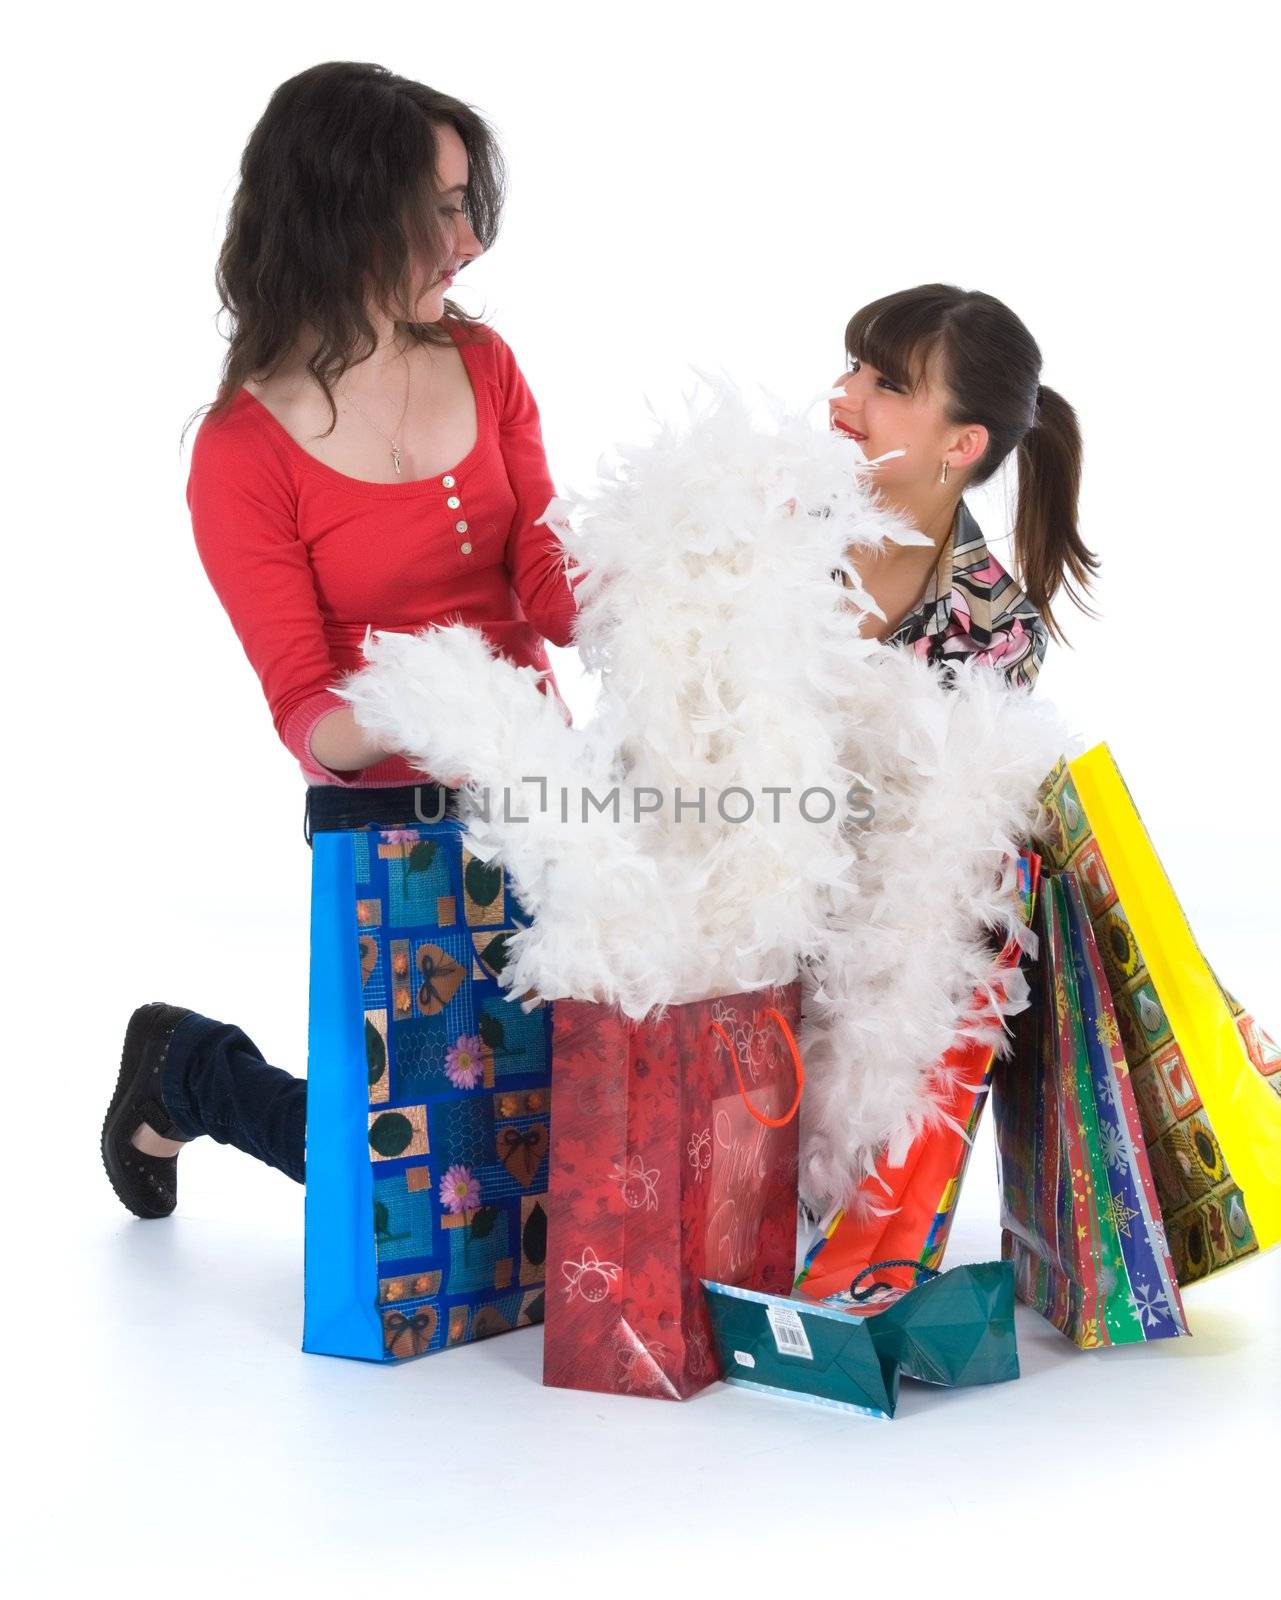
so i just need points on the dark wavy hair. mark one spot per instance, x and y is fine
(991, 367)
(337, 202)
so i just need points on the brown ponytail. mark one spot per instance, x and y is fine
(991, 367)
(1048, 549)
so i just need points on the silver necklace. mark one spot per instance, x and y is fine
(392, 441)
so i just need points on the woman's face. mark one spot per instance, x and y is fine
(881, 416)
(461, 243)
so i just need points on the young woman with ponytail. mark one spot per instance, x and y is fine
(952, 377)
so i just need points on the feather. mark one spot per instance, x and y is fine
(733, 677)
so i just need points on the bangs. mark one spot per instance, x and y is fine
(896, 338)
(482, 201)
(486, 176)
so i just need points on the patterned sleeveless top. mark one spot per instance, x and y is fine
(973, 607)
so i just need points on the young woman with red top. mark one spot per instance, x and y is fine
(374, 457)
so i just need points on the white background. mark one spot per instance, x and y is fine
(719, 185)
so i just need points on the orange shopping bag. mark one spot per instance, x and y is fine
(904, 1213)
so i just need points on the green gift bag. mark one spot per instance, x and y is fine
(849, 1351)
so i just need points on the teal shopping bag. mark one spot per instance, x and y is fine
(956, 1330)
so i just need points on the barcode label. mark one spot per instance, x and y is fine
(789, 1333)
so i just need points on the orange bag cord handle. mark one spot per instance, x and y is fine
(769, 1122)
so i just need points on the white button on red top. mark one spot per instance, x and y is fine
(453, 502)
(448, 480)
(466, 547)
(460, 527)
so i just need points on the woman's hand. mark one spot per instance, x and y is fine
(341, 744)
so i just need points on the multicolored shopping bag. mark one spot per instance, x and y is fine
(1207, 1078)
(954, 1329)
(675, 1160)
(905, 1212)
(428, 1101)
(1079, 1211)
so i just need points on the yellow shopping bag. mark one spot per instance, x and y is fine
(1206, 1077)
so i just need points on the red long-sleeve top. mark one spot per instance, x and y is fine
(304, 558)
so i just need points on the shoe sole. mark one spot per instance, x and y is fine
(140, 1032)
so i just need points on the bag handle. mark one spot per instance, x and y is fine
(790, 1038)
(866, 1294)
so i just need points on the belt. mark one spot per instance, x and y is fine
(332, 809)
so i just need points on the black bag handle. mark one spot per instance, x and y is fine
(866, 1294)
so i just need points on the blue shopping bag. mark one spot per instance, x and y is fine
(428, 1100)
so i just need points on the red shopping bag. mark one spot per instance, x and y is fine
(675, 1160)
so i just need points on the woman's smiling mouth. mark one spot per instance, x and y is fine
(839, 422)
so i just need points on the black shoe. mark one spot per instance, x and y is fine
(148, 1185)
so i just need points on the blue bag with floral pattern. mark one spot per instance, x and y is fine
(428, 1100)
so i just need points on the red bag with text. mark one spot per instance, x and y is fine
(674, 1160)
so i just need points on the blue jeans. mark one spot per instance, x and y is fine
(216, 1078)
(217, 1082)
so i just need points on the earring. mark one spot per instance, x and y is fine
(943, 475)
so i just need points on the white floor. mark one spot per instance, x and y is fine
(161, 1412)
(168, 1414)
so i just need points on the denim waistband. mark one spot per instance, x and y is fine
(331, 808)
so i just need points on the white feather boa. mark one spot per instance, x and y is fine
(954, 778)
(729, 660)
